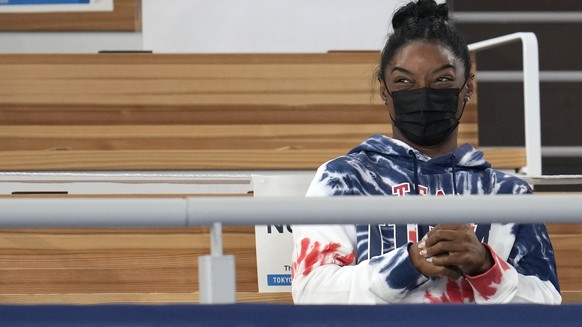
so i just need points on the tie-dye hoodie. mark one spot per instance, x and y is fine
(366, 264)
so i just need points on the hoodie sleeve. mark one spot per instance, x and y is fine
(324, 268)
(528, 272)
(528, 276)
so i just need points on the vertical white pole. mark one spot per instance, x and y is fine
(217, 272)
(531, 95)
(216, 240)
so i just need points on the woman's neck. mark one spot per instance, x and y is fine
(440, 149)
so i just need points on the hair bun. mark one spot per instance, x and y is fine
(421, 10)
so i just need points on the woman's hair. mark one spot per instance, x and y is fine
(424, 20)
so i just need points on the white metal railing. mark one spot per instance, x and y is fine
(549, 76)
(520, 17)
(531, 93)
(217, 273)
(244, 211)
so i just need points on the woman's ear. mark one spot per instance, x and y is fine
(383, 91)
(470, 84)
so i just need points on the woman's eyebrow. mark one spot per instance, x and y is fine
(404, 70)
(443, 67)
(396, 68)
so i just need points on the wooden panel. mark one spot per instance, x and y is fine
(82, 114)
(287, 158)
(199, 137)
(160, 266)
(571, 297)
(87, 266)
(118, 264)
(146, 298)
(149, 80)
(568, 250)
(126, 16)
(144, 111)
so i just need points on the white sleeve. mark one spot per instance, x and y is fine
(324, 269)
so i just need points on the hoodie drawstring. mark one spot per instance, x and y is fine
(415, 167)
(452, 157)
(414, 160)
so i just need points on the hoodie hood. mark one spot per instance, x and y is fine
(385, 166)
(463, 157)
(461, 171)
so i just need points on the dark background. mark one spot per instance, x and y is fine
(501, 103)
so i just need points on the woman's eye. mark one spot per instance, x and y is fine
(401, 80)
(444, 79)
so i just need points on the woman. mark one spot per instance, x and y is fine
(425, 82)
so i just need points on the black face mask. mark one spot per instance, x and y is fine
(426, 116)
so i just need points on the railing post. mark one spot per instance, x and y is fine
(531, 94)
(217, 272)
(531, 98)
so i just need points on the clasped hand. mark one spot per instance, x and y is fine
(452, 251)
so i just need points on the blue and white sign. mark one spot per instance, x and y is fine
(279, 279)
(275, 242)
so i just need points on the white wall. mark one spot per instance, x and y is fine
(222, 26)
(216, 26)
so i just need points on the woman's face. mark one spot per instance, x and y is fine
(421, 64)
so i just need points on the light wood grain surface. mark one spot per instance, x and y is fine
(160, 265)
(195, 112)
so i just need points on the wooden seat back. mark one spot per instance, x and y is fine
(195, 112)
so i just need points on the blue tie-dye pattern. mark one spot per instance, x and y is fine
(534, 239)
(380, 163)
(362, 243)
(398, 275)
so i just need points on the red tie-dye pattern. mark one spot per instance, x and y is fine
(455, 293)
(484, 284)
(311, 256)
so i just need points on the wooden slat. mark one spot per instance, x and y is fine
(125, 17)
(121, 261)
(175, 111)
(184, 99)
(198, 137)
(571, 297)
(568, 251)
(284, 73)
(337, 58)
(86, 266)
(288, 158)
(505, 158)
(208, 85)
(152, 266)
(82, 114)
(145, 298)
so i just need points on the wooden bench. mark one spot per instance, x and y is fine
(194, 112)
(88, 266)
(182, 112)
